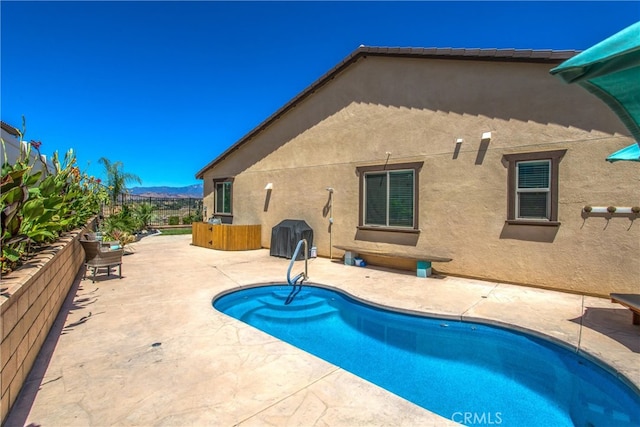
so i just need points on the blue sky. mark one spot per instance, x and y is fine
(165, 87)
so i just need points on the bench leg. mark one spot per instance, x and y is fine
(636, 318)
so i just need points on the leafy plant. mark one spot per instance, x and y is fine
(37, 207)
(14, 194)
(174, 220)
(143, 212)
(123, 237)
(122, 221)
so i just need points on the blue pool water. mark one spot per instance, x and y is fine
(471, 373)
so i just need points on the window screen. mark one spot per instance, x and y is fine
(223, 197)
(389, 198)
(533, 189)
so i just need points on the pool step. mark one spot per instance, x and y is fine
(294, 305)
(315, 312)
(284, 295)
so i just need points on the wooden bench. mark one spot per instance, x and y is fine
(631, 301)
(419, 258)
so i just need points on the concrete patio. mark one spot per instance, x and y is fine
(150, 349)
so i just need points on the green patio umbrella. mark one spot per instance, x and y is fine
(611, 71)
(630, 153)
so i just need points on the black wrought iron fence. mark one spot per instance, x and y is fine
(160, 210)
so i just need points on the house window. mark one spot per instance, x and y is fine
(533, 187)
(223, 189)
(389, 196)
(533, 190)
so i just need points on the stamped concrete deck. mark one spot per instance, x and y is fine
(150, 350)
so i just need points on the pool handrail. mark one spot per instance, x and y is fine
(303, 275)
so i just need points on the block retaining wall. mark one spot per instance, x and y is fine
(30, 300)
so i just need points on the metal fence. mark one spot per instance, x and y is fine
(164, 210)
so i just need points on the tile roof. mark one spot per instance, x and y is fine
(546, 56)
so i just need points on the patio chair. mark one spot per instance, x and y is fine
(98, 255)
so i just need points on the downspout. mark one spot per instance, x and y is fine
(330, 190)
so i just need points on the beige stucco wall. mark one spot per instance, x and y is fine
(415, 109)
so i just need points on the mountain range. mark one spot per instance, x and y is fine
(194, 191)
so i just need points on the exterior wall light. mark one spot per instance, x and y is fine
(269, 186)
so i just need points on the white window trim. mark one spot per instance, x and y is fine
(547, 190)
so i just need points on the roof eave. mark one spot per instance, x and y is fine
(10, 129)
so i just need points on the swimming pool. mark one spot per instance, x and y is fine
(471, 373)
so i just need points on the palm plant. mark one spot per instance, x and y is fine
(117, 179)
(143, 213)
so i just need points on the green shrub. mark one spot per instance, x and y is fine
(123, 221)
(38, 207)
(174, 220)
(186, 220)
(143, 213)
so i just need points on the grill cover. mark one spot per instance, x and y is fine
(286, 235)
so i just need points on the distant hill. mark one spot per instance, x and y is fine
(194, 191)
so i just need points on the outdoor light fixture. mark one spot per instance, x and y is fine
(486, 135)
(269, 186)
(459, 140)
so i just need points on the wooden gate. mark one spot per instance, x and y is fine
(227, 237)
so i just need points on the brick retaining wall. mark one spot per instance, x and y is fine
(30, 300)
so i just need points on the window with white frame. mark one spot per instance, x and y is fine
(533, 187)
(389, 196)
(223, 190)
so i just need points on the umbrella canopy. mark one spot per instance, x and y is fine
(611, 71)
(630, 153)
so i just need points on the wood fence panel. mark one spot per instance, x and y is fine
(202, 235)
(227, 237)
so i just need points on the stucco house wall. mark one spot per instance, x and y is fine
(393, 109)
